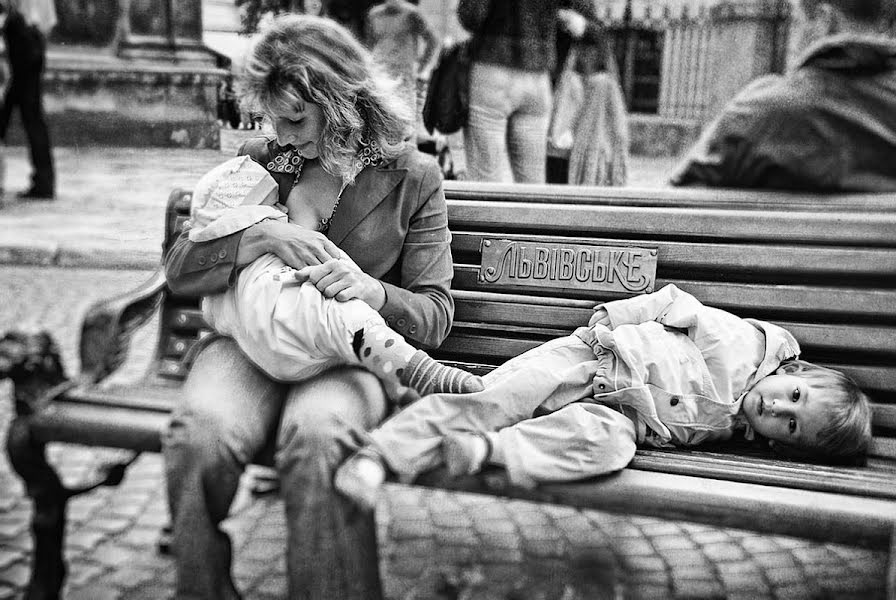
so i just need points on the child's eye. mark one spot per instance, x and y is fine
(796, 394)
(792, 425)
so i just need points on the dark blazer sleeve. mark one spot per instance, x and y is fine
(421, 307)
(202, 268)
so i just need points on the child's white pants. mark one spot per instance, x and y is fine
(578, 439)
(289, 330)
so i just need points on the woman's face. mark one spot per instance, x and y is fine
(300, 128)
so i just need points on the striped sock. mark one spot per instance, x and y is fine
(428, 376)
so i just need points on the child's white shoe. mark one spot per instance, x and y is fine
(360, 477)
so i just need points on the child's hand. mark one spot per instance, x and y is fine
(600, 317)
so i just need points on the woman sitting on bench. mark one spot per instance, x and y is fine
(340, 159)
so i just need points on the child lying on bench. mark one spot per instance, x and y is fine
(287, 327)
(658, 370)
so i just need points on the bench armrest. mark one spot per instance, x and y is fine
(109, 324)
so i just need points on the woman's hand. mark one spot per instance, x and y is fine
(296, 246)
(343, 280)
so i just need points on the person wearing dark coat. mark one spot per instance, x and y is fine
(26, 47)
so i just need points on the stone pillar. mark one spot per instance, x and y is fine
(131, 72)
(749, 40)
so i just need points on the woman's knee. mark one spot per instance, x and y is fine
(226, 410)
(325, 418)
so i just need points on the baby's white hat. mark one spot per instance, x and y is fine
(239, 181)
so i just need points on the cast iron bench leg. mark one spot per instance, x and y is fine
(28, 458)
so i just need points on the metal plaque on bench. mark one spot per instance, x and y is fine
(577, 266)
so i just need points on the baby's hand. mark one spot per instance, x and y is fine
(600, 317)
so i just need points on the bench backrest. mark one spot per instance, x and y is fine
(824, 267)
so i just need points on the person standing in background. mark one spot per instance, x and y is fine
(514, 54)
(401, 40)
(25, 30)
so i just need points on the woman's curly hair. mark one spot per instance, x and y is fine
(313, 59)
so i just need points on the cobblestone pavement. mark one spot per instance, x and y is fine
(434, 544)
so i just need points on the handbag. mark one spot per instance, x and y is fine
(447, 99)
(568, 99)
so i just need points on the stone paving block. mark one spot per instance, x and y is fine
(92, 592)
(127, 509)
(666, 542)
(708, 536)
(130, 576)
(464, 536)
(774, 558)
(622, 530)
(647, 591)
(142, 537)
(686, 559)
(743, 582)
(783, 576)
(82, 572)
(638, 547)
(643, 563)
(457, 554)
(451, 518)
(544, 547)
(8, 557)
(694, 589)
(494, 526)
(274, 587)
(651, 576)
(494, 554)
(266, 551)
(17, 574)
(8, 591)
(724, 551)
(116, 555)
(110, 524)
(410, 528)
(12, 526)
(797, 592)
(86, 539)
(532, 515)
(151, 590)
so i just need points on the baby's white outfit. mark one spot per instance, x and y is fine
(285, 327)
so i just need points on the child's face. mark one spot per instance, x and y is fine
(787, 409)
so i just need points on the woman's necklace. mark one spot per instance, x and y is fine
(323, 225)
(291, 161)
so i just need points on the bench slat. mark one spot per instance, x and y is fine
(739, 298)
(504, 315)
(767, 472)
(676, 197)
(784, 225)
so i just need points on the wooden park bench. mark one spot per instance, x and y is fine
(530, 263)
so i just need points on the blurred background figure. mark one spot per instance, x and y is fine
(598, 145)
(514, 54)
(403, 41)
(25, 29)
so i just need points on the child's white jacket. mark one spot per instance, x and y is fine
(682, 366)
